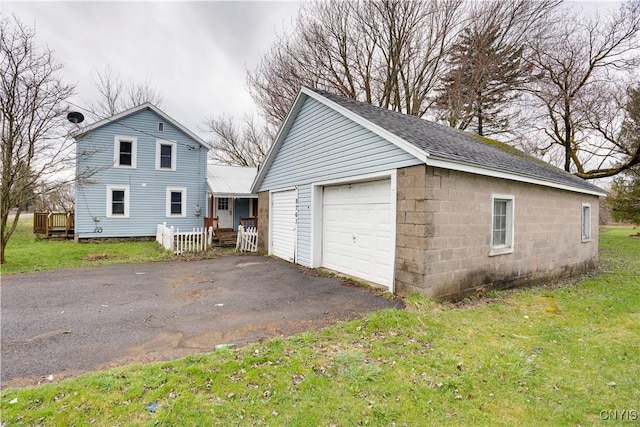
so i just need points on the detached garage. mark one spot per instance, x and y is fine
(417, 207)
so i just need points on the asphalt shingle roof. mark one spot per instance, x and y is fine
(447, 143)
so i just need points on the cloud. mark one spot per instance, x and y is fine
(195, 53)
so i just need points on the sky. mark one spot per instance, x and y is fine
(195, 53)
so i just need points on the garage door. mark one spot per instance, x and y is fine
(283, 224)
(357, 237)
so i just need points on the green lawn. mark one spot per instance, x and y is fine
(27, 253)
(556, 355)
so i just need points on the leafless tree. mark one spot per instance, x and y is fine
(244, 145)
(58, 199)
(35, 143)
(581, 65)
(388, 53)
(116, 95)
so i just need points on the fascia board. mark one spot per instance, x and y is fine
(235, 195)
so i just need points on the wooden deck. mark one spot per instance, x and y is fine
(54, 224)
(226, 236)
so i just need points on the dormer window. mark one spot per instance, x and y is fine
(124, 151)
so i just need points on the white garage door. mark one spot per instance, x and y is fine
(283, 224)
(357, 237)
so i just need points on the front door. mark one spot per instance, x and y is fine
(224, 211)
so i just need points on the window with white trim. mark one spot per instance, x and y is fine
(586, 222)
(176, 202)
(124, 151)
(223, 204)
(166, 155)
(501, 225)
(117, 201)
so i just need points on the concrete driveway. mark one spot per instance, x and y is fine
(66, 322)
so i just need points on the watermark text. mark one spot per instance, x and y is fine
(620, 415)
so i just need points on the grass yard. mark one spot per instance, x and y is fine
(557, 355)
(26, 253)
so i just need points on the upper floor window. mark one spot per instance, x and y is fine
(124, 151)
(586, 222)
(160, 127)
(501, 225)
(117, 201)
(166, 155)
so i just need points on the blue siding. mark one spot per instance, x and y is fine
(241, 210)
(147, 186)
(322, 145)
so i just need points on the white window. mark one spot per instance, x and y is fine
(586, 222)
(223, 204)
(166, 155)
(501, 225)
(117, 201)
(124, 151)
(176, 202)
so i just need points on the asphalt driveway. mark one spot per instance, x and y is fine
(66, 322)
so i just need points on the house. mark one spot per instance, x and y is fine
(148, 169)
(231, 199)
(415, 206)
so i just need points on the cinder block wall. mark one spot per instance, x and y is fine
(444, 226)
(263, 222)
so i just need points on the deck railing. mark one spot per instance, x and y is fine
(249, 222)
(214, 223)
(53, 223)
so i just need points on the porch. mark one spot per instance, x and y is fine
(227, 237)
(54, 224)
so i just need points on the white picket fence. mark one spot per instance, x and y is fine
(247, 239)
(197, 240)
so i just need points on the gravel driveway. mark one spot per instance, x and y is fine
(66, 322)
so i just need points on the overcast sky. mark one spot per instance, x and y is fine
(195, 53)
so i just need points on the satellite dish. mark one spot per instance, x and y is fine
(75, 117)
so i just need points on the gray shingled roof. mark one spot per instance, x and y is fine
(447, 143)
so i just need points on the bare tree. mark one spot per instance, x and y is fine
(244, 145)
(35, 143)
(580, 65)
(116, 95)
(59, 199)
(624, 197)
(388, 53)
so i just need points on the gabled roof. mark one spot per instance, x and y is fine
(436, 145)
(230, 181)
(146, 106)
